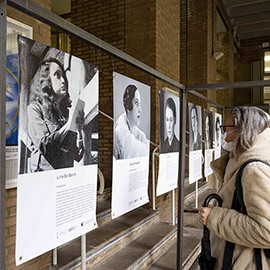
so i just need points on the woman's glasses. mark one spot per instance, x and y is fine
(223, 128)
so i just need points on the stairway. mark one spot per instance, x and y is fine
(136, 240)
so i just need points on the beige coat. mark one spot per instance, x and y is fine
(247, 231)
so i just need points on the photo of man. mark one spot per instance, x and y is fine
(217, 131)
(208, 116)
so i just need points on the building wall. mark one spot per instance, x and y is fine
(105, 20)
(225, 69)
(41, 33)
(242, 69)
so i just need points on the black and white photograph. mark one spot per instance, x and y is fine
(58, 109)
(195, 127)
(195, 142)
(208, 139)
(131, 118)
(169, 140)
(58, 133)
(208, 122)
(169, 122)
(131, 144)
(217, 132)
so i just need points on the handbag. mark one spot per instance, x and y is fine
(206, 261)
(239, 205)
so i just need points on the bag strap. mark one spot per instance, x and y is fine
(238, 204)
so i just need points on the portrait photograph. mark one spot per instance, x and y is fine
(218, 123)
(195, 127)
(131, 118)
(169, 122)
(208, 129)
(58, 109)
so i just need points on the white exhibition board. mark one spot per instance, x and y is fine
(169, 142)
(195, 142)
(217, 132)
(130, 185)
(57, 181)
(168, 172)
(54, 207)
(208, 158)
(131, 144)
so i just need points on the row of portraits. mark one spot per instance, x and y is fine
(50, 89)
(212, 122)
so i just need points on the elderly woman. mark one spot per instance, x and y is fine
(54, 145)
(248, 133)
(129, 140)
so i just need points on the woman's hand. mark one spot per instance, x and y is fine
(204, 213)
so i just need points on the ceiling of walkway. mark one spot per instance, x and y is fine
(248, 18)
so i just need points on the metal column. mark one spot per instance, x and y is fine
(3, 34)
(181, 180)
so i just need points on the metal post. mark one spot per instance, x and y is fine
(83, 251)
(173, 207)
(3, 35)
(181, 180)
(154, 179)
(55, 256)
(196, 195)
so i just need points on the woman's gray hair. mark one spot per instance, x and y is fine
(249, 123)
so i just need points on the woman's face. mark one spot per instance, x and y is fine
(135, 114)
(207, 129)
(58, 82)
(194, 122)
(170, 123)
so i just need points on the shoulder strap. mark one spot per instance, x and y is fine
(237, 204)
(238, 185)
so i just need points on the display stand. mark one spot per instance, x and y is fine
(32, 9)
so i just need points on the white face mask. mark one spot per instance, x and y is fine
(228, 146)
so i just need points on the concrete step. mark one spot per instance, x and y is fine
(107, 239)
(191, 250)
(143, 251)
(103, 212)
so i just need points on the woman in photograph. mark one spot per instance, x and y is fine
(171, 143)
(196, 143)
(129, 140)
(53, 144)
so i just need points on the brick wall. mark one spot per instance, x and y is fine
(242, 66)
(106, 20)
(41, 33)
(167, 62)
(225, 69)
